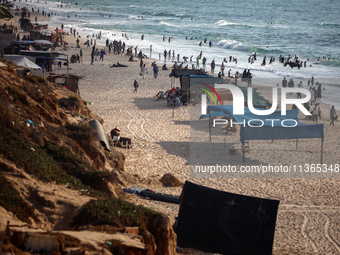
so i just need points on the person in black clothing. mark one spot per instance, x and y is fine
(284, 82)
(135, 84)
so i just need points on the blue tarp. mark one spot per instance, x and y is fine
(268, 129)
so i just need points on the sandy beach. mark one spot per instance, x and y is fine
(308, 220)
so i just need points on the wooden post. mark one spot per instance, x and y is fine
(243, 151)
(67, 64)
(209, 127)
(297, 140)
(321, 150)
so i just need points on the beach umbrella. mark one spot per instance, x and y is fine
(5, 14)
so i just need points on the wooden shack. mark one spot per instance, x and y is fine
(68, 81)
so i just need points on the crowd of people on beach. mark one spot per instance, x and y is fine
(186, 62)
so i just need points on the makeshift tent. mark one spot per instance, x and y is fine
(22, 61)
(268, 129)
(179, 72)
(221, 222)
(258, 100)
(188, 81)
(36, 53)
(5, 14)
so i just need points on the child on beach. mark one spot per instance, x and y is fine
(136, 85)
(144, 71)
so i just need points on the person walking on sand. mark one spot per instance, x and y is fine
(315, 113)
(332, 115)
(144, 71)
(155, 71)
(136, 85)
(141, 64)
(102, 52)
(319, 111)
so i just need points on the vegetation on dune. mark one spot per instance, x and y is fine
(113, 212)
(21, 100)
(49, 163)
(80, 131)
(11, 200)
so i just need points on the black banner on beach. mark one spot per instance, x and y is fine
(215, 221)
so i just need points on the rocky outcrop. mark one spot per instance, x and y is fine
(165, 237)
(169, 180)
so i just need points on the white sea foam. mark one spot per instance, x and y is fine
(225, 23)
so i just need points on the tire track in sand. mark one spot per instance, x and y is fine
(328, 236)
(137, 123)
(303, 229)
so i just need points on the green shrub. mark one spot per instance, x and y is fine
(80, 131)
(17, 94)
(113, 212)
(41, 79)
(50, 163)
(11, 200)
(7, 117)
(74, 166)
(32, 78)
(73, 98)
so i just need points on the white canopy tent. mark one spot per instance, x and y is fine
(23, 61)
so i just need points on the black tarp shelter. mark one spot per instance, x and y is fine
(216, 221)
(188, 81)
(179, 72)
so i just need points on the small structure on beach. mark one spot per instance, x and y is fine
(68, 81)
(24, 62)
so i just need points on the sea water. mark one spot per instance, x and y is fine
(308, 29)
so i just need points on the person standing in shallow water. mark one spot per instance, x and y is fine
(284, 82)
(212, 65)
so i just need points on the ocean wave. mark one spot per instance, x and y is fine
(240, 47)
(225, 23)
(232, 44)
(135, 17)
(335, 63)
(133, 6)
(167, 14)
(169, 24)
(226, 44)
(330, 24)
